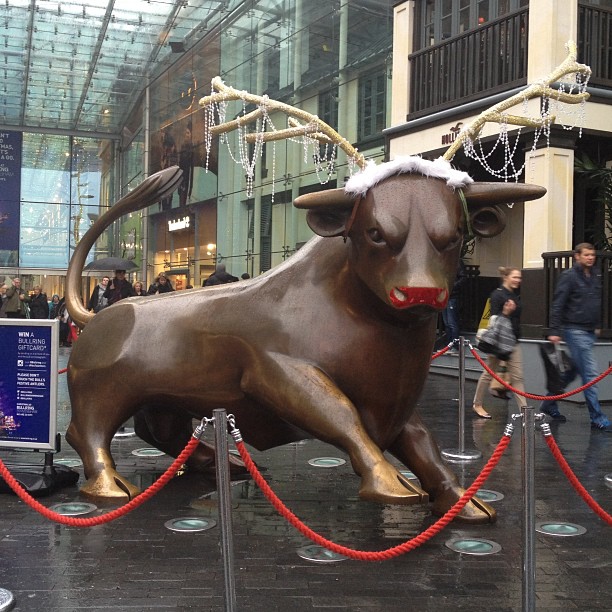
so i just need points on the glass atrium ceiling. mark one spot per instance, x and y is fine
(80, 65)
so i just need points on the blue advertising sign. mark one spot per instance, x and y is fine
(28, 383)
(10, 189)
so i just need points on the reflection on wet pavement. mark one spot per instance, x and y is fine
(136, 563)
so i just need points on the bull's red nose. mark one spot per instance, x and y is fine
(405, 297)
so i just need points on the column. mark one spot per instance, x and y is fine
(552, 23)
(403, 34)
(548, 221)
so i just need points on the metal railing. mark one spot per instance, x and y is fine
(595, 42)
(491, 59)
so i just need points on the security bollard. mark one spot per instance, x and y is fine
(528, 465)
(225, 507)
(460, 453)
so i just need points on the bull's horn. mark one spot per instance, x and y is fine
(501, 193)
(325, 199)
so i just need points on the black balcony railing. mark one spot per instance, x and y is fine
(595, 42)
(491, 59)
(555, 263)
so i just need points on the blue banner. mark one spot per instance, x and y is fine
(10, 189)
(28, 383)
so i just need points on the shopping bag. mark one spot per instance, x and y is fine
(556, 361)
(72, 333)
(498, 338)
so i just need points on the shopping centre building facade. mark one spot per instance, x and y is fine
(392, 78)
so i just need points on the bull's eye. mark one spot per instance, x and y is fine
(375, 236)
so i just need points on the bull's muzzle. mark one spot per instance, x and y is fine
(406, 297)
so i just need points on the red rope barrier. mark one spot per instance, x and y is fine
(442, 351)
(62, 371)
(567, 470)
(384, 554)
(531, 395)
(161, 482)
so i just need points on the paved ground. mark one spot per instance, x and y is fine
(136, 563)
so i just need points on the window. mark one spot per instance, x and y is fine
(372, 105)
(443, 19)
(60, 187)
(265, 238)
(328, 107)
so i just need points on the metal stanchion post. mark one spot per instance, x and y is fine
(528, 461)
(225, 507)
(460, 454)
(461, 395)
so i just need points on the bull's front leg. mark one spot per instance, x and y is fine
(306, 397)
(416, 448)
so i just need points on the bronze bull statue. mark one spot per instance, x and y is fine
(335, 343)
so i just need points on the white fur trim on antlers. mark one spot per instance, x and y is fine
(374, 173)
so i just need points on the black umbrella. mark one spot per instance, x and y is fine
(109, 264)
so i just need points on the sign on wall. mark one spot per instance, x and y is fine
(448, 139)
(10, 189)
(28, 383)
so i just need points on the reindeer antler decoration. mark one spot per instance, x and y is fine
(313, 128)
(539, 89)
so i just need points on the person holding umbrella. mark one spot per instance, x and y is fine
(118, 288)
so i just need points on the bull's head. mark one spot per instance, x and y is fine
(406, 222)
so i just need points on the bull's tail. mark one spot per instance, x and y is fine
(152, 189)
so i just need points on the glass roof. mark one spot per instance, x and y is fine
(80, 65)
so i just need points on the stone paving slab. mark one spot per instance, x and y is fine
(135, 563)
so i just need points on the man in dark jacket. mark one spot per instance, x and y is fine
(219, 277)
(118, 288)
(15, 297)
(39, 306)
(576, 317)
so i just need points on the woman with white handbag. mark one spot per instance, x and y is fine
(506, 305)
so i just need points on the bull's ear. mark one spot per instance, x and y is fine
(487, 219)
(482, 194)
(328, 223)
(328, 211)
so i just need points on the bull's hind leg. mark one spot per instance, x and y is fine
(307, 398)
(95, 419)
(416, 448)
(170, 430)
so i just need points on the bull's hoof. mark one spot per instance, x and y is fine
(206, 465)
(110, 486)
(476, 512)
(387, 486)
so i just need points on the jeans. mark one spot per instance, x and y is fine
(450, 316)
(580, 344)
